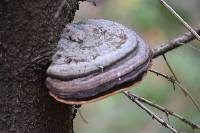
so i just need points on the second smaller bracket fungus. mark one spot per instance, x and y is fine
(95, 59)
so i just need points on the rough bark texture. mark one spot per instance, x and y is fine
(27, 30)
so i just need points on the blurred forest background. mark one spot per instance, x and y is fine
(151, 21)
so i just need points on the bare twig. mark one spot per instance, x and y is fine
(148, 111)
(169, 8)
(174, 43)
(166, 111)
(185, 91)
(170, 68)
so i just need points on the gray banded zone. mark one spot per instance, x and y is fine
(125, 72)
(90, 47)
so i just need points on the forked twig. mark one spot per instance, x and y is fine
(184, 90)
(166, 111)
(148, 111)
(169, 8)
(174, 43)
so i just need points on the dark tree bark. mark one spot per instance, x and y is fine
(27, 31)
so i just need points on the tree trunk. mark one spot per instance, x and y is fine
(28, 30)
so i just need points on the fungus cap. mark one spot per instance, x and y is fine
(95, 59)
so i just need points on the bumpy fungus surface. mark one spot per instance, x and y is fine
(95, 59)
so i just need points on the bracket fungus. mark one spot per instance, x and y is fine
(95, 59)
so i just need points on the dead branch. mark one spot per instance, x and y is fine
(171, 10)
(174, 43)
(170, 68)
(166, 111)
(183, 89)
(148, 111)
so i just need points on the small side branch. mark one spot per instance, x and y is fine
(174, 43)
(170, 68)
(185, 91)
(178, 41)
(148, 111)
(164, 110)
(169, 8)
